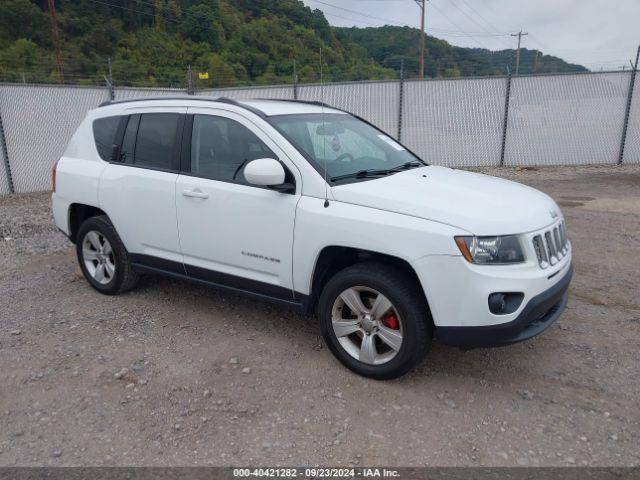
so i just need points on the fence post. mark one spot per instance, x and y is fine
(627, 112)
(295, 81)
(400, 99)
(189, 81)
(5, 156)
(112, 94)
(506, 119)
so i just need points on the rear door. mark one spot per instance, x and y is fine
(138, 191)
(231, 232)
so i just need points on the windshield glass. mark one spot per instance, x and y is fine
(350, 148)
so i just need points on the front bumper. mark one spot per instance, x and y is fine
(537, 315)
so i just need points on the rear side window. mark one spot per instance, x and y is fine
(104, 133)
(155, 142)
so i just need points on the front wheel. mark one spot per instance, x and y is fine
(375, 320)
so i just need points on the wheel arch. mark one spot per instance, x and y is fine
(78, 213)
(334, 258)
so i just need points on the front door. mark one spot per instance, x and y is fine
(233, 233)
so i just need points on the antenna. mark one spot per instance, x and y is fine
(324, 143)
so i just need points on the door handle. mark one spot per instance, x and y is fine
(196, 193)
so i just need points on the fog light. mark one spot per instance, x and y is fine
(504, 303)
(496, 303)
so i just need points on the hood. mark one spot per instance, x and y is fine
(480, 204)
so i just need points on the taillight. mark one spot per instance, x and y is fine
(53, 175)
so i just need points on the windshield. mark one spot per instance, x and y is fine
(349, 148)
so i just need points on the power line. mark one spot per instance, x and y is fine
(396, 22)
(468, 16)
(479, 15)
(401, 23)
(361, 22)
(458, 26)
(470, 7)
(134, 10)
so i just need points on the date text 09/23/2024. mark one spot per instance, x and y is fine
(316, 472)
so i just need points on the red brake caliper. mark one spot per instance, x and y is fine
(390, 320)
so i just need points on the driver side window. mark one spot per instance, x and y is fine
(221, 147)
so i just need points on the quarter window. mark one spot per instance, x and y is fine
(104, 133)
(221, 147)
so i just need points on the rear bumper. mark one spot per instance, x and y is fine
(538, 315)
(60, 209)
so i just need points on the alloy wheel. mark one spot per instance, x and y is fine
(98, 258)
(367, 325)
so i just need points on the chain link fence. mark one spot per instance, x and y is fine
(632, 140)
(375, 101)
(246, 93)
(127, 93)
(566, 119)
(454, 122)
(38, 122)
(4, 181)
(562, 119)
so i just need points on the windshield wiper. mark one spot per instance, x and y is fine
(407, 166)
(379, 173)
(362, 174)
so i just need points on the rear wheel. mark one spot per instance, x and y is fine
(375, 320)
(102, 257)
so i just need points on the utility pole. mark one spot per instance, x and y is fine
(56, 38)
(519, 35)
(421, 4)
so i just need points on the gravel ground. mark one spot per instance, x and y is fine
(175, 374)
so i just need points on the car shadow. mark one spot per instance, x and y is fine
(211, 307)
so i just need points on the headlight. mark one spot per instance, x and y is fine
(491, 250)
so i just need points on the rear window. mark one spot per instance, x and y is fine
(104, 133)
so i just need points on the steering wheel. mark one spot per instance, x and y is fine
(345, 157)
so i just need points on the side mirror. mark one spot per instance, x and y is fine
(265, 172)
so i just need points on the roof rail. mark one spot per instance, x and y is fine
(226, 100)
(232, 101)
(309, 102)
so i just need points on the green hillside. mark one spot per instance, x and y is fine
(389, 44)
(237, 42)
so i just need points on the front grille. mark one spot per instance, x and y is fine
(551, 246)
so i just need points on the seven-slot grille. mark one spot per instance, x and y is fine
(551, 246)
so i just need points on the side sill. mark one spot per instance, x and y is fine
(296, 305)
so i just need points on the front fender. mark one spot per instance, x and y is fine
(347, 225)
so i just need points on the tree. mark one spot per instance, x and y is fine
(201, 24)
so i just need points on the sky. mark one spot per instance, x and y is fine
(598, 34)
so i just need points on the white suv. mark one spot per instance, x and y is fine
(315, 208)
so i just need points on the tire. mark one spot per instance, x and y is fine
(412, 320)
(94, 236)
